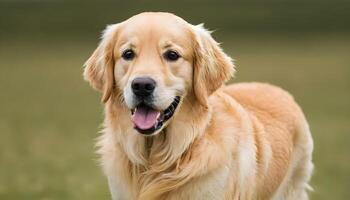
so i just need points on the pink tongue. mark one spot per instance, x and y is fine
(145, 118)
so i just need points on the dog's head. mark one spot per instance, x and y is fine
(153, 61)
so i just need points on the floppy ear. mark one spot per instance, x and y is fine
(99, 67)
(212, 67)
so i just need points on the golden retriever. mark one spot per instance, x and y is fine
(172, 130)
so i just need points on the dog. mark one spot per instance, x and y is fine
(173, 130)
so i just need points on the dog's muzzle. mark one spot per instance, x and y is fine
(148, 120)
(143, 87)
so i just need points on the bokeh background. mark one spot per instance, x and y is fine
(49, 117)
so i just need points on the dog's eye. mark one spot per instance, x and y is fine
(171, 55)
(128, 54)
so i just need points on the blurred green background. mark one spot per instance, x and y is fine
(49, 117)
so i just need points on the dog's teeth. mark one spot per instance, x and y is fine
(158, 125)
(167, 115)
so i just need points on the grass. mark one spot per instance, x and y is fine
(50, 116)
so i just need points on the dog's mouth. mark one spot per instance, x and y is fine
(147, 120)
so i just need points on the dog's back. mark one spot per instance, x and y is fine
(280, 122)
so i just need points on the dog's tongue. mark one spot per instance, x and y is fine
(145, 118)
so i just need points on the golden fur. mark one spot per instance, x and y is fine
(243, 141)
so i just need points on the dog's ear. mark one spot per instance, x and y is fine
(212, 67)
(99, 68)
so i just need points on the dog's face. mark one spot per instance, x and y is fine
(153, 61)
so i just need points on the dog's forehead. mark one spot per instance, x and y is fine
(159, 26)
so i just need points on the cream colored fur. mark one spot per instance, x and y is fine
(240, 142)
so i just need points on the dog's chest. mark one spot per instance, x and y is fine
(211, 186)
(208, 187)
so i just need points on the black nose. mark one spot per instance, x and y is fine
(143, 86)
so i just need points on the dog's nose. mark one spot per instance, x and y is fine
(143, 86)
